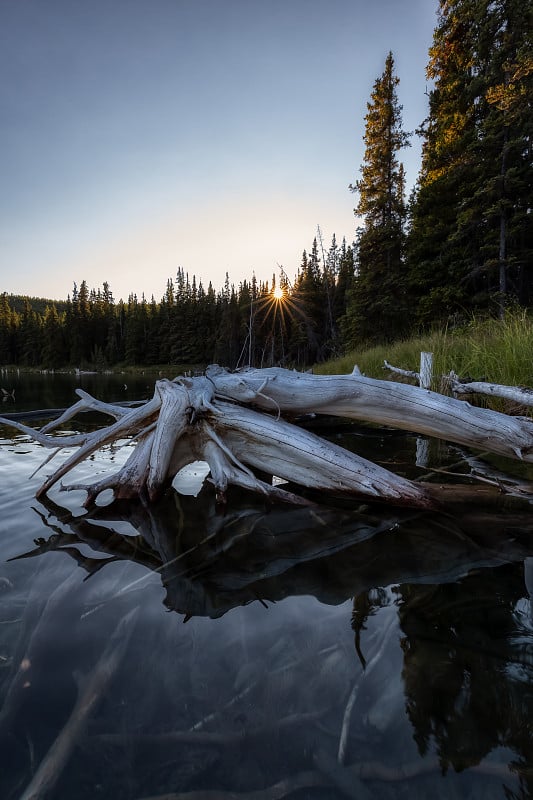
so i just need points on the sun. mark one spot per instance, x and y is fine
(278, 293)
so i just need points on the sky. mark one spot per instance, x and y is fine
(140, 136)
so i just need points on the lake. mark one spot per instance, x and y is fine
(174, 651)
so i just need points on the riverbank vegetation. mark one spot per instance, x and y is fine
(495, 350)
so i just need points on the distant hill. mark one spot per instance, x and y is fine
(16, 301)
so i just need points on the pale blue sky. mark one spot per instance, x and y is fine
(137, 136)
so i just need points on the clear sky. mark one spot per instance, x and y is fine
(138, 136)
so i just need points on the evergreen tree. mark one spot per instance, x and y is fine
(329, 279)
(506, 149)
(471, 229)
(311, 310)
(54, 349)
(208, 307)
(343, 288)
(79, 326)
(7, 331)
(228, 345)
(29, 337)
(166, 320)
(135, 329)
(377, 304)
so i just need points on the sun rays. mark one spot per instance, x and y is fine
(276, 313)
(279, 304)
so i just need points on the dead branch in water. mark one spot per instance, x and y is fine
(206, 418)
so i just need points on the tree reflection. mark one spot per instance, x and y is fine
(467, 668)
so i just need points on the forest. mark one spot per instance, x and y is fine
(460, 244)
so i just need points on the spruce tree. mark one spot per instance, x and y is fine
(506, 149)
(376, 306)
(311, 311)
(29, 336)
(470, 236)
(7, 331)
(54, 350)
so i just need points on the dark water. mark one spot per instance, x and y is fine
(357, 652)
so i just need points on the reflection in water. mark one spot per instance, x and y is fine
(468, 661)
(210, 562)
(431, 677)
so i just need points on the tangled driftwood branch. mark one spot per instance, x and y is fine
(207, 418)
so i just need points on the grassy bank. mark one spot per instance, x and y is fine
(498, 351)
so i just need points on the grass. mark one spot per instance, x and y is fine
(497, 351)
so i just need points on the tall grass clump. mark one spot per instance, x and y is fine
(493, 350)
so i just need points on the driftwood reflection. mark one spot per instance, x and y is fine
(438, 654)
(210, 563)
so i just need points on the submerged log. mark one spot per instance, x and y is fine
(206, 418)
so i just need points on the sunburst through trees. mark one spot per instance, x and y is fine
(274, 312)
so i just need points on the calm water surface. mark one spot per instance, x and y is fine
(357, 652)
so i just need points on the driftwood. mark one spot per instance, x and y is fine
(186, 420)
(518, 394)
(405, 373)
(423, 376)
(383, 402)
(206, 418)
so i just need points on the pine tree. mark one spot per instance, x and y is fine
(29, 336)
(7, 331)
(311, 308)
(136, 330)
(506, 149)
(377, 299)
(54, 349)
(79, 325)
(228, 344)
(471, 229)
(343, 288)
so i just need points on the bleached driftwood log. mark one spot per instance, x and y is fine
(206, 418)
(383, 402)
(187, 421)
